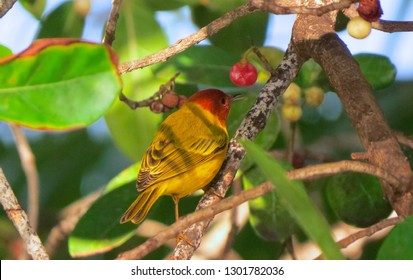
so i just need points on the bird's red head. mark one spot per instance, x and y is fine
(215, 101)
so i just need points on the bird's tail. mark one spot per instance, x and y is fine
(141, 206)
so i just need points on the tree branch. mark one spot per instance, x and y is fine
(110, 28)
(316, 38)
(292, 7)
(69, 218)
(20, 220)
(189, 41)
(345, 242)
(328, 169)
(28, 163)
(5, 6)
(383, 25)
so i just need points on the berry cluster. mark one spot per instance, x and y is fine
(292, 106)
(168, 101)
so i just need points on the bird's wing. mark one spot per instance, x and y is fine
(170, 156)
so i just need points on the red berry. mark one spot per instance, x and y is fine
(170, 99)
(370, 10)
(157, 107)
(243, 74)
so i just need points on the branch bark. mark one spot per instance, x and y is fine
(20, 220)
(5, 6)
(28, 163)
(110, 28)
(315, 38)
(193, 39)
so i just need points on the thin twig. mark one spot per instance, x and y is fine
(20, 220)
(347, 241)
(206, 213)
(263, 59)
(163, 89)
(327, 169)
(189, 41)
(404, 140)
(110, 28)
(389, 26)
(28, 163)
(70, 216)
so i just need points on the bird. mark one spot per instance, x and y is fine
(187, 152)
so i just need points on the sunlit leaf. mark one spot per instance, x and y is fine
(4, 51)
(296, 199)
(58, 84)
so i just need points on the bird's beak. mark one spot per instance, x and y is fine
(236, 97)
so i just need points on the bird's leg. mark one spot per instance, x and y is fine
(176, 201)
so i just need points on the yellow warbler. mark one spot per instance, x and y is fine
(186, 154)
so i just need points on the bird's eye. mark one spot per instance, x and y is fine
(223, 101)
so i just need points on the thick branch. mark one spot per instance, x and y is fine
(316, 38)
(19, 218)
(252, 124)
(193, 39)
(291, 7)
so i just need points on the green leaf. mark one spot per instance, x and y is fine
(350, 194)
(269, 217)
(398, 245)
(206, 65)
(241, 34)
(296, 199)
(124, 177)
(133, 131)
(4, 51)
(35, 7)
(99, 230)
(63, 22)
(58, 84)
(379, 71)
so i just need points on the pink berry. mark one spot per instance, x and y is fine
(243, 74)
